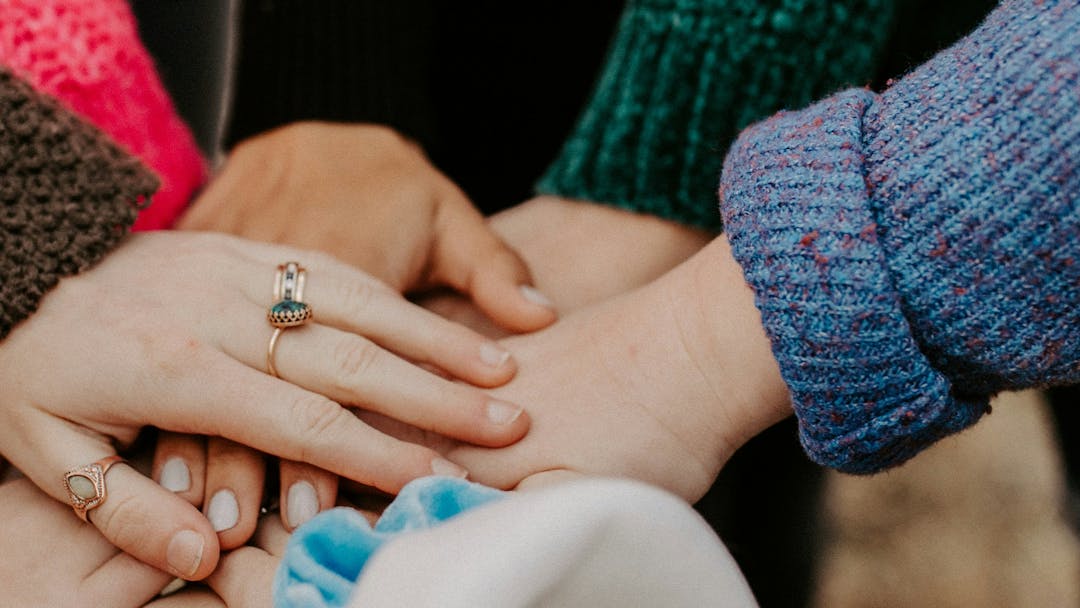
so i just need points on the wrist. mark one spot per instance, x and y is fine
(693, 355)
(713, 312)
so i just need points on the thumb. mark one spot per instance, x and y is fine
(472, 259)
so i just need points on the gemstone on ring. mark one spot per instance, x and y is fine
(82, 486)
(288, 313)
(86, 485)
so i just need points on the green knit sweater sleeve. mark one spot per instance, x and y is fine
(683, 77)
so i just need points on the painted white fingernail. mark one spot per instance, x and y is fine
(442, 466)
(533, 295)
(184, 552)
(501, 412)
(175, 475)
(301, 504)
(223, 511)
(176, 585)
(493, 355)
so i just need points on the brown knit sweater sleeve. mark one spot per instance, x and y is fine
(68, 194)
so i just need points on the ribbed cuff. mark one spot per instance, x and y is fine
(334, 60)
(67, 197)
(683, 77)
(799, 218)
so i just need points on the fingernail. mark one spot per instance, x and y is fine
(223, 511)
(493, 356)
(501, 412)
(175, 475)
(442, 466)
(185, 552)
(176, 585)
(531, 294)
(301, 504)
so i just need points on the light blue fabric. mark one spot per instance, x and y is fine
(325, 556)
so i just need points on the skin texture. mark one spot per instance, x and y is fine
(63, 562)
(656, 414)
(661, 384)
(186, 352)
(369, 197)
(577, 252)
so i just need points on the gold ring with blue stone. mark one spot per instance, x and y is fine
(288, 313)
(289, 309)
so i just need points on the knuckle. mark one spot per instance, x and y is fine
(315, 416)
(123, 522)
(357, 297)
(353, 358)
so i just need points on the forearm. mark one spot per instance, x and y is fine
(914, 252)
(682, 78)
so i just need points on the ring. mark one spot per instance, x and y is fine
(86, 485)
(289, 309)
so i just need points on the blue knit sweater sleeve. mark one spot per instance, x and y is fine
(916, 251)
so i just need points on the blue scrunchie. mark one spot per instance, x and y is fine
(325, 556)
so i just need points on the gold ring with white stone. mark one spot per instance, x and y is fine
(86, 485)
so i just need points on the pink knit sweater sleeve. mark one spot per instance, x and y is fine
(87, 54)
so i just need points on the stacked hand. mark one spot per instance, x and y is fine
(369, 197)
(661, 383)
(170, 330)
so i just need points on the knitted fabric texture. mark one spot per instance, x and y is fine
(67, 196)
(87, 54)
(684, 76)
(914, 252)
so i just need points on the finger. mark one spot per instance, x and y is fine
(306, 491)
(469, 257)
(245, 578)
(271, 536)
(138, 516)
(180, 465)
(345, 298)
(234, 489)
(189, 598)
(123, 581)
(355, 371)
(544, 479)
(459, 308)
(224, 398)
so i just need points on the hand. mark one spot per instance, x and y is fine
(661, 384)
(580, 253)
(244, 578)
(370, 197)
(52, 559)
(170, 330)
